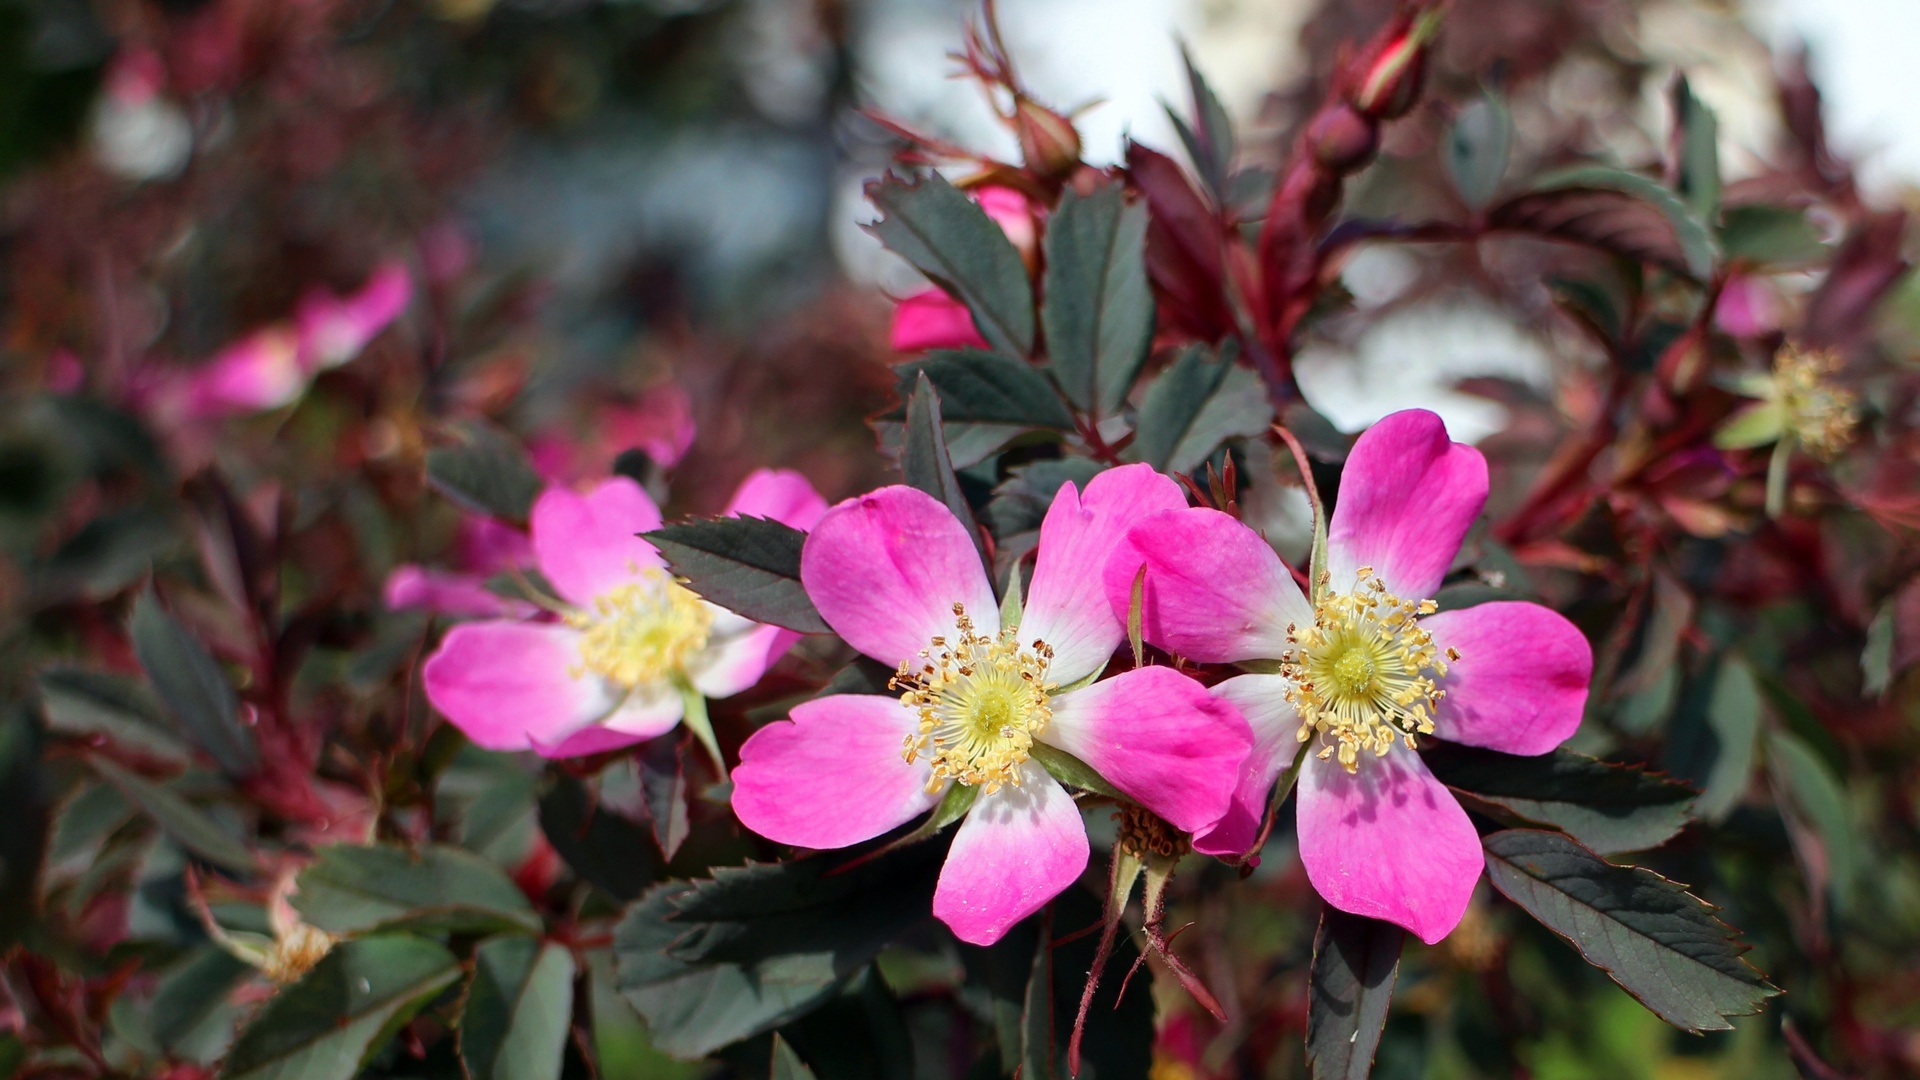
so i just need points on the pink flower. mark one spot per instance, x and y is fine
(895, 574)
(1364, 669)
(630, 643)
(930, 319)
(334, 330)
(448, 592)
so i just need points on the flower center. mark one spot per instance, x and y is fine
(981, 700)
(1363, 674)
(642, 633)
(1819, 413)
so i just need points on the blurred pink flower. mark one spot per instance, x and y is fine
(448, 592)
(335, 330)
(930, 319)
(1749, 306)
(658, 422)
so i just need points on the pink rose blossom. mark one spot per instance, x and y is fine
(1365, 671)
(334, 330)
(895, 575)
(930, 319)
(630, 642)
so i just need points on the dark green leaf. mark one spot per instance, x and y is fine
(1098, 311)
(787, 1064)
(1356, 961)
(924, 460)
(518, 1010)
(601, 846)
(1616, 211)
(1194, 406)
(987, 388)
(747, 565)
(86, 703)
(1610, 808)
(360, 890)
(107, 554)
(1770, 236)
(1477, 148)
(486, 472)
(1599, 305)
(951, 240)
(194, 688)
(1814, 800)
(1696, 152)
(1003, 970)
(327, 1024)
(1658, 941)
(1733, 719)
(1073, 772)
(663, 787)
(25, 802)
(1020, 503)
(1037, 1042)
(1118, 1041)
(194, 994)
(179, 819)
(1209, 138)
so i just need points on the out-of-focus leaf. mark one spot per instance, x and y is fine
(1195, 405)
(25, 801)
(1813, 798)
(1478, 144)
(107, 554)
(179, 819)
(1003, 970)
(1616, 211)
(712, 962)
(1020, 503)
(787, 1064)
(1037, 1041)
(1209, 138)
(351, 890)
(1661, 943)
(1356, 961)
(1185, 245)
(1594, 303)
(86, 703)
(1733, 717)
(987, 388)
(859, 1032)
(486, 472)
(947, 237)
(924, 460)
(747, 565)
(1869, 263)
(1769, 236)
(1097, 308)
(194, 994)
(194, 688)
(1610, 808)
(1696, 152)
(518, 1010)
(1666, 625)
(1876, 659)
(601, 846)
(622, 1046)
(1118, 1041)
(325, 1026)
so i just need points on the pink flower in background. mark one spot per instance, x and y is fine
(896, 575)
(659, 422)
(930, 319)
(1364, 671)
(334, 330)
(631, 643)
(484, 547)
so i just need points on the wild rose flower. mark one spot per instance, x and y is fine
(1365, 670)
(484, 547)
(896, 575)
(630, 642)
(930, 319)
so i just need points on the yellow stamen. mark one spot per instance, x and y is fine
(981, 701)
(1820, 414)
(643, 633)
(1363, 674)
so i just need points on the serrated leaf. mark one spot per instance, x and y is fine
(351, 890)
(1356, 961)
(1661, 943)
(193, 687)
(1696, 152)
(325, 1026)
(1209, 139)
(1097, 308)
(1616, 211)
(748, 565)
(1020, 503)
(663, 786)
(1610, 808)
(1194, 405)
(518, 1010)
(787, 1064)
(1478, 145)
(987, 388)
(602, 846)
(193, 994)
(486, 472)
(1769, 236)
(179, 819)
(949, 238)
(1237, 408)
(85, 703)
(924, 461)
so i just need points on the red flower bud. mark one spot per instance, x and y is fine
(1048, 140)
(1341, 139)
(1395, 69)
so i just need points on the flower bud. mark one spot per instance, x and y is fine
(1393, 72)
(1341, 139)
(1048, 140)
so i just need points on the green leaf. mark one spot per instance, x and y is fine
(947, 237)
(1021, 502)
(1209, 138)
(1239, 407)
(486, 471)
(1812, 798)
(1876, 659)
(179, 819)
(26, 803)
(194, 994)
(1661, 943)
(1073, 772)
(1478, 145)
(709, 963)
(1610, 808)
(924, 460)
(1097, 311)
(1614, 210)
(603, 847)
(1770, 236)
(1733, 719)
(1193, 406)
(110, 552)
(194, 688)
(787, 1064)
(1356, 961)
(663, 787)
(748, 565)
(352, 890)
(987, 388)
(1758, 424)
(325, 1026)
(85, 703)
(1696, 152)
(1037, 1040)
(518, 1010)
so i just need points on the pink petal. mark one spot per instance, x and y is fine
(411, 587)
(1013, 212)
(1407, 498)
(886, 568)
(930, 319)
(1262, 701)
(508, 684)
(737, 654)
(1215, 592)
(1017, 849)
(260, 371)
(586, 544)
(641, 717)
(1158, 736)
(1520, 685)
(488, 546)
(833, 775)
(1067, 605)
(334, 331)
(659, 422)
(1389, 842)
(780, 494)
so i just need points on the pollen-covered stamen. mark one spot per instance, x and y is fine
(1363, 674)
(642, 633)
(1820, 414)
(980, 700)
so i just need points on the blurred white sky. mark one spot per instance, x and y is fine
(1863, 59)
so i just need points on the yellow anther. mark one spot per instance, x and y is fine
(980, 700)
(1820, 415)
(643, 633)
